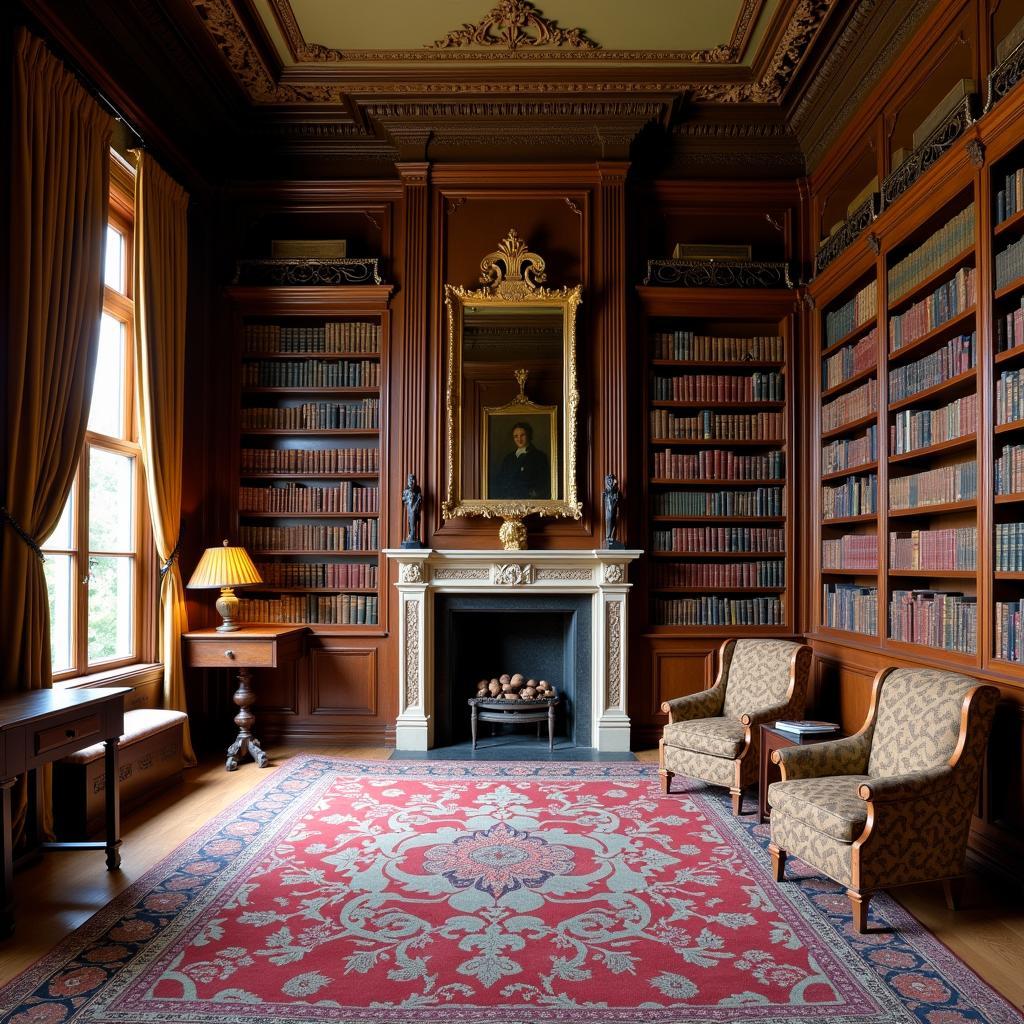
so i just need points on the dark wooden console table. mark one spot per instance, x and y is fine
(493, 709)
(42, 726)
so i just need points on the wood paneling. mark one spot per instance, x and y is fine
(342, 681)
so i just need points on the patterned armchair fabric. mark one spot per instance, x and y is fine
(714, 735)
(892, 804)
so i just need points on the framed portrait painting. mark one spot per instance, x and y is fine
(520, 452)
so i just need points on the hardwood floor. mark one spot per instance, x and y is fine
(61, 891)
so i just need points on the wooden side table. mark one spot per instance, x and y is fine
(489, 709)
(769, 772)
(244, 649)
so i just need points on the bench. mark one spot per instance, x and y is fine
(151, 757)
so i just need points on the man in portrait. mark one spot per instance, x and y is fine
(525, 471)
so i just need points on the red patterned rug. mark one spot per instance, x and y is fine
(512, 893)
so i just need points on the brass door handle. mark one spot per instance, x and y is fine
(229, 654)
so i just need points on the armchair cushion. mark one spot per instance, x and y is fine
(759, 676)
(829, 805)
(721, 737)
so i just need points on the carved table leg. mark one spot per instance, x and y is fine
(551, 727)
(112, 807)
(472, 723)
(245, 742)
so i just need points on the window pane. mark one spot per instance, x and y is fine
(113, 273)
(111, 500)
(106, 414)
(58, 587)
(61, 538)
(110, 608)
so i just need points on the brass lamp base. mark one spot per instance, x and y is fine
(227, 605)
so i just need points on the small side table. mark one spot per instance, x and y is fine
(244, 649)
(489, 709)
(768, 771)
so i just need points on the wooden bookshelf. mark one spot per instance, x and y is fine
(288, 340)
(681, 496)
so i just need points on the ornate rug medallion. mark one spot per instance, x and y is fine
(362, 892)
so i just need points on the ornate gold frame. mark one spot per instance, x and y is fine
(518, 285)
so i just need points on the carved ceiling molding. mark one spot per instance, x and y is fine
(496, 46)
(799, 34)
(730, 130)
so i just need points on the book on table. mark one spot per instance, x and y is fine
(806, 728)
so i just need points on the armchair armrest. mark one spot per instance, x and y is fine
(705, 704)
(911, 786)
(762, 716)
(848, 756)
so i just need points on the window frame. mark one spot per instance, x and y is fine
(145, 597)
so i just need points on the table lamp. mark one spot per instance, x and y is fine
(225, 567)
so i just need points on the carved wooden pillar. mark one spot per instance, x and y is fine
(611, 275)
(411, 446)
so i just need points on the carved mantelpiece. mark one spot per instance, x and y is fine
(424, 573)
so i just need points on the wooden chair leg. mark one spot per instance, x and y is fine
(954, 890)
(859, 906)
(737, 801)
(666, 775)
(778, 862)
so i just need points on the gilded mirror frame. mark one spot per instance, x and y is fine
(511, 277)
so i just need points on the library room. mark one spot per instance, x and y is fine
(512, 510)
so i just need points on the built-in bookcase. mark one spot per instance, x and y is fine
(311, 479)
(717, 461)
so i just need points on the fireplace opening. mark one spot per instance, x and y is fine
(483, 637)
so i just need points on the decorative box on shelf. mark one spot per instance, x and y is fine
(309, 271)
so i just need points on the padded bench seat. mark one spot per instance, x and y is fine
(151, 756)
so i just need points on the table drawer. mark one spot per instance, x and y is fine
(79, 730)
(225, 654)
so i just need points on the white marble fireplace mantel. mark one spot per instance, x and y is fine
(425, 572)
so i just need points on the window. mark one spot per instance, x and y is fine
(98, 559)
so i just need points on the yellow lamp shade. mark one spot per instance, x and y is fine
(225, 567)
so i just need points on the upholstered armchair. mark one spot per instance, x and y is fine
(715, 735)
(891, 804)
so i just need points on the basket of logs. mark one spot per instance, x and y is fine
(515, 687)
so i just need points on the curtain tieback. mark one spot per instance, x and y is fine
(165, 566)
(6, 517)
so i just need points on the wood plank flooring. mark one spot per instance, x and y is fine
(61, 891)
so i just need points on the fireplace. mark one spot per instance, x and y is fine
(588, 624)
(483, 635)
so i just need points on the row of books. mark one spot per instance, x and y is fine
(336, 575)
(852, 406)
(850, 360)
(847, 452)
(341, 610)
(1009, 547)
(347, 336)
(731, 539)
(758, 501)
(932, 618)
(718, 574)
(312, 373)
(1010, 396)
(954, 548)
(1010, 263)
(1009, 643)
(949, 300)
(855, 496)
(346, 497)
(712, 426)
(851, 551)
(953, 238)
(847, 606)
(1010, 198)
(359, 535)
(718, 611)
(364, 415)
(920, 428)
(1009, 469)
(722, 387)
(957, 356)
(849, 316)
(1010, 329)
(716, 464)
(687, 346)
(938, 486)
(310, 460)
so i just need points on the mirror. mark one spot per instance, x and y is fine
(511, 397)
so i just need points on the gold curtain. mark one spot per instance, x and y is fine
(161, 277)
(58, 216)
